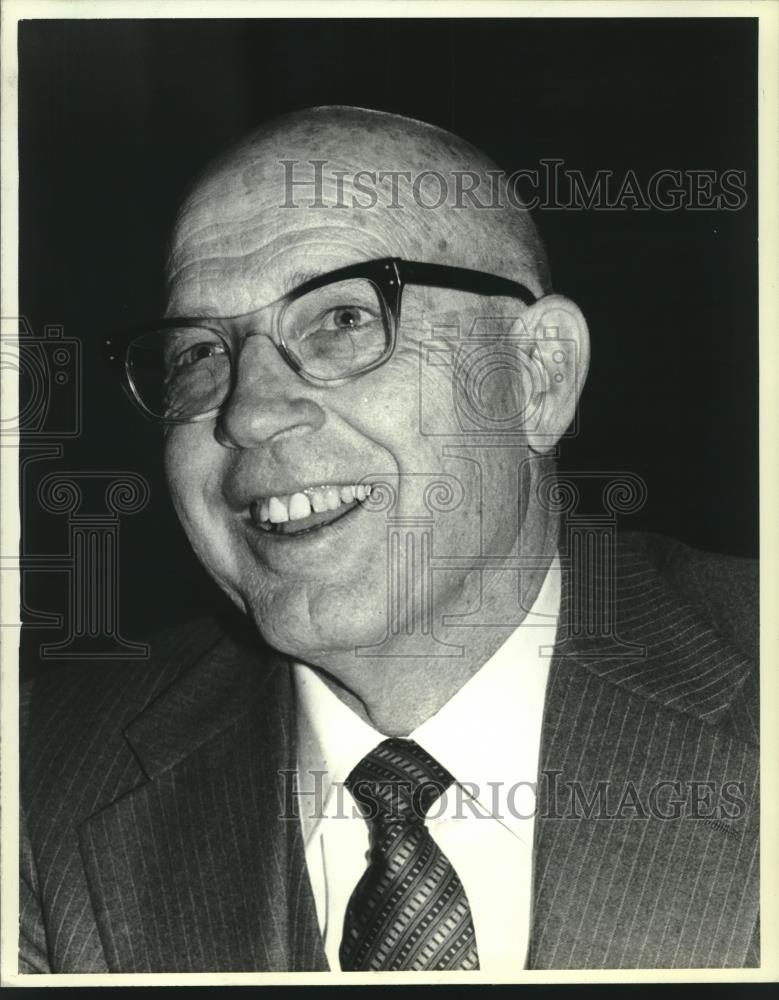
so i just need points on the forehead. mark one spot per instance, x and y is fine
(246, 236)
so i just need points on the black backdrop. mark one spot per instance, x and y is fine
(117, 116)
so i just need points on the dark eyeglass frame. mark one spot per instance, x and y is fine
(390, 275)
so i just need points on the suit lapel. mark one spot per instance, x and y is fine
(636, 873)
(197, 868)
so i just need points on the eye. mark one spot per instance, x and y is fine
(197, 353)
(347, 317)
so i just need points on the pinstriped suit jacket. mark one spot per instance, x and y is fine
(154, 839)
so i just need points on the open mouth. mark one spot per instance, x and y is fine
(310, 509)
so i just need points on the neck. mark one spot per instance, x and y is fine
(405, 691)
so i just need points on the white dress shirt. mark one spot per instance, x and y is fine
(488, 737)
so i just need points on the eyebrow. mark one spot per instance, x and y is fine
(294, 281)
(299, 278)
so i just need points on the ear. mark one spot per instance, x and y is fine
(560, 352)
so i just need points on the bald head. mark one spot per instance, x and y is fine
(357, 183)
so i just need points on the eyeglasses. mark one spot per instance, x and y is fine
(331, 329)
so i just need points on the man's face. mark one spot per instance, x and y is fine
(314, 593)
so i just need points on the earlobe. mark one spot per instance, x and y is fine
(561, 353)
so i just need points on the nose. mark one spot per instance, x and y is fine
(268, 400)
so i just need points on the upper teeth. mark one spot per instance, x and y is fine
(296, 506)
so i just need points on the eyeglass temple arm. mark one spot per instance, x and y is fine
(463, 279)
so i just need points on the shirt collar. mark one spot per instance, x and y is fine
(487, 734)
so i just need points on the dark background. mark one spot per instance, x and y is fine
(116, 117)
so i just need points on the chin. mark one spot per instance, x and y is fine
(327, 629)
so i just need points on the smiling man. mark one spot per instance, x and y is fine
(426, 752)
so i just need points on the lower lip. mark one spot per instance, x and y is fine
(300, 530)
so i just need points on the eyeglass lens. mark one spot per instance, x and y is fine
(329, 333)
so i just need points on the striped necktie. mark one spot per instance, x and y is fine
(409, 910)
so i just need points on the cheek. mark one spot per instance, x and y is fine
(179, 473)
(193, 474)
(383, 409)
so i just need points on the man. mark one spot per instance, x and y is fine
(437, 755)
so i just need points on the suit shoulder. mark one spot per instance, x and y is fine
(725, 589)
(92, 683)
(72, 717)
(723, 592)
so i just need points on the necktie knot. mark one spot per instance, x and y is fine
(397, 782)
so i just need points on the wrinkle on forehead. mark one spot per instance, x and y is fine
(236, 215)
(230, 284)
